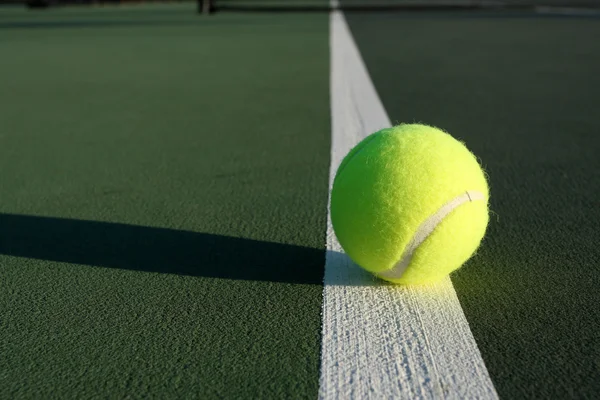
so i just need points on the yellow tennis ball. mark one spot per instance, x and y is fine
(410, 204)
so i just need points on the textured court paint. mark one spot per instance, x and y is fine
(163, 181)
(380, 340)
(426, 229)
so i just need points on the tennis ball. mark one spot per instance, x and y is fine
(410, 204)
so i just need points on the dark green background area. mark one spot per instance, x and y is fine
(523, 93)
(162, 233)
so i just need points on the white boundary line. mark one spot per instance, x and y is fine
(383, 341)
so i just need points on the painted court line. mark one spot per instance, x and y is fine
(383, 341)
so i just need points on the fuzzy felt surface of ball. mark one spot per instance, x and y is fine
(410, 204)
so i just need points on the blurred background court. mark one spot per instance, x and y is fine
(207, 6)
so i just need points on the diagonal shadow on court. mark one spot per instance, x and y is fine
(167, 251)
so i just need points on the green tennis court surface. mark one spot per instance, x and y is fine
(164, 193)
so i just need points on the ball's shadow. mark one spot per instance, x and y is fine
(167, 251)
(342, 271)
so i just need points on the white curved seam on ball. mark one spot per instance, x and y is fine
(426, 229)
